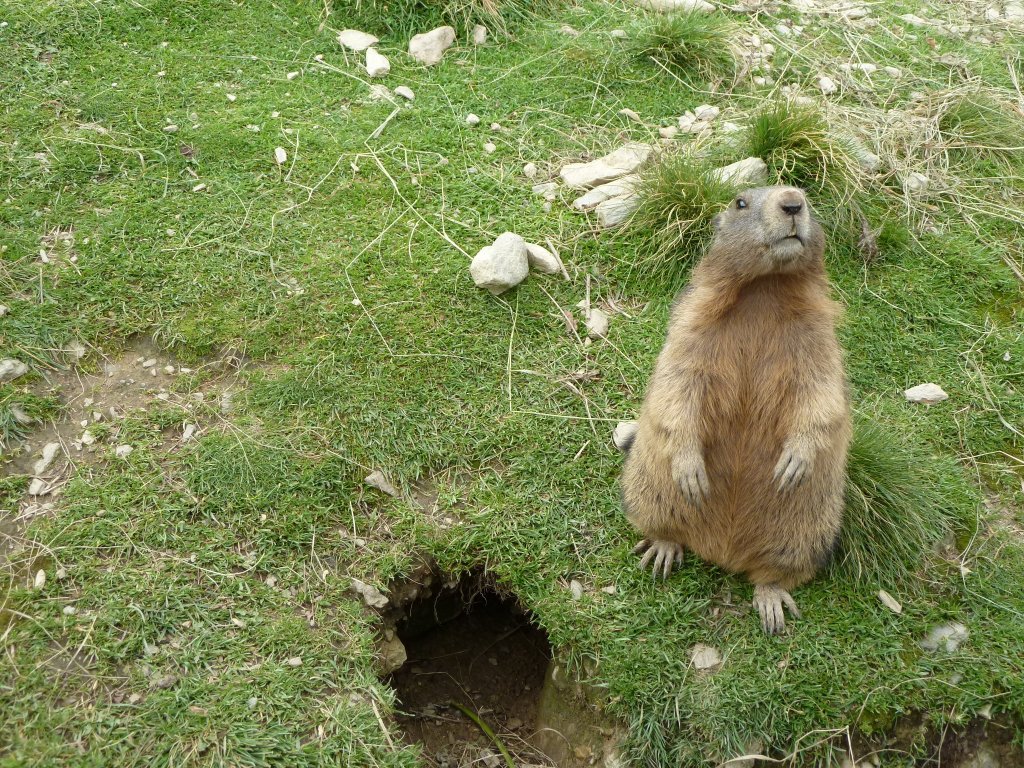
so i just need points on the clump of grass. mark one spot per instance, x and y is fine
(799, 147)
(413, 16)
(980, 124)
(899, 505)
(687, 43)
(679, 197)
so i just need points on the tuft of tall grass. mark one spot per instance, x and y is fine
(408, 17)
(977, 123)
(687, 43)
(679, 196)
(900, 503)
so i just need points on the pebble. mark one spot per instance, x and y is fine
(479, 34)
(69, 610)
(706, 113)
(502, 265)
(598, 322)
(472, 119)
(49, 453)
(576, 589)
(542, 260)
(38, 487)
(123, 451)
(915, 183)
(355, 40)
(889, 601)
(377, 64)
(925, 393)
(495, 126)
(428, 48)
(62, 573)
(624, 433)
(280, 156)
(392, 655)
(571, 31)
(629, 113)
(489, 147)
(530, 170)
(945, 637)
(188, 432)
(291, 75)
(751, 171)
(405, 92)
(294, 661)
(618, 33)
(40, 579)
(172, 128)
(371, 595)
(11, 369)
(705, 658)
(376, 479)
(546, 189)
(668, 131)
(4, 309)
(827, 85)
(674, 6)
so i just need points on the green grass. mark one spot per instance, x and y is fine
(979, 124)
(688, 44)
(196, 570)
(410, 17)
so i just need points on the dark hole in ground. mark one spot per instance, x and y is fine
(471, 645)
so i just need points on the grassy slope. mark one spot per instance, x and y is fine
(428, 374)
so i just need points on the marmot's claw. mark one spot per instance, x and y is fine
(769, 601)
(692, 478)
(791, 469)
(660, 554)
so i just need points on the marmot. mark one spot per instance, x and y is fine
(740, 450)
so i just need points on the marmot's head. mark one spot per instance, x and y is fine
(768, 230)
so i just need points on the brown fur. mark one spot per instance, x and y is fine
(751, 369)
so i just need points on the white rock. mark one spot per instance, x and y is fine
(501, 266)
(622, 161)
(597, 323)
(380, 92)
(280, 156)
(530, 170)
(992, 14)
(616, 211)
(706, 113)
(188, 432)
(546, 189)
(893, 71)
(11, 369)
(576, 589)
(668, 131)
(429, 47)
(405, 92)
(618, 33)
(377, 64)
(673, 6)
(50, 451)
(857, 12)
(376, 479)
(889, 601)
(87, 438)
(705, 657)
(925, 393)
(489, 147)
(915, 183)
(69, 610)
(294, 661)
(571, 31)
(629, 113)
(594, 197)
(946, 637)
(40, 580)
(542, 260)
(371, 595)
(917, 21)
(751, 171)
(868, 160)
(4, 309)
(172, 128)
(38, 487)
(355, 40)
(472, 119)
(1014, 11)
(479, 34)
(624, 433)
(123, 451)
(728, 127)
(827, 85)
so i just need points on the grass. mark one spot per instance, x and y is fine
(690, 43)
(196, 570)
(979, 124)
(414, 16)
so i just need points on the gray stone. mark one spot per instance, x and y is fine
(371, 595)
(50, 451)
(392, 655)
(624, 160)
(542, 260)
(915, 183)
(11, 369)
(616, 211)
(751, 171)
(429, 47)
(597, 323)
(377, 65)
(479, 34)
(945, 637)
(597, 195)
(405, 92)
(377, 480)
(355, 40)
(925, 393)
(501, 266)
(705, 658)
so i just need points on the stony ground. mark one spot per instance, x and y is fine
(248, 381)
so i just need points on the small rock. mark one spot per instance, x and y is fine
(597, 323)
(609, 590)
(232, 97)
(618, 33)
(889, 601)
(915, 183)
(728, 127)
(674, 6)
(1014, 11)
(61, 574)
(501, 266)
(149, 363)
(380, 92)
(857, 12)
(542, 260)
(123, 451)
(576, 589)
(629, 113)
(706, 113)
(530, 170)
(392, 655)
(566, 29)
(11, 369)
(172, 128)
(992, 14)
(38, 487)
(489, 147)
(428, 48)
(624, 433)
(280, 156)
(546, 189)
(40, 580)
(827, 85)
(169, 369)
(69, 610)
(705, 658)
(893, 71)
(594, 197)
(405, 92)
(50, 451)
(472, 119)
(624, 160)
(294, 661)
(377, 65)
(87, 438)
(377, 480)
(916, 21)
(4, 309)
(668, 132)
(616, 211)
(925, 393)
(371, 595)
(135, 698)
(947, 636)
(479, 34)
(291, 75)
(355, 40)
(751, 171)
(188, 432)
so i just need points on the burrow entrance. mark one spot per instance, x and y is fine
(472, 652)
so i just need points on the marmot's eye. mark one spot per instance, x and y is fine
(741, 203)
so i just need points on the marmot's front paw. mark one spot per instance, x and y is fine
(692, 478)
(769, 601)
(663, 554)
(793, 467)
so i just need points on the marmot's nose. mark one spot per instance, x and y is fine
(792, 208)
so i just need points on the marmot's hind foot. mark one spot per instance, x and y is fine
(662, 553)
(769, 600)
